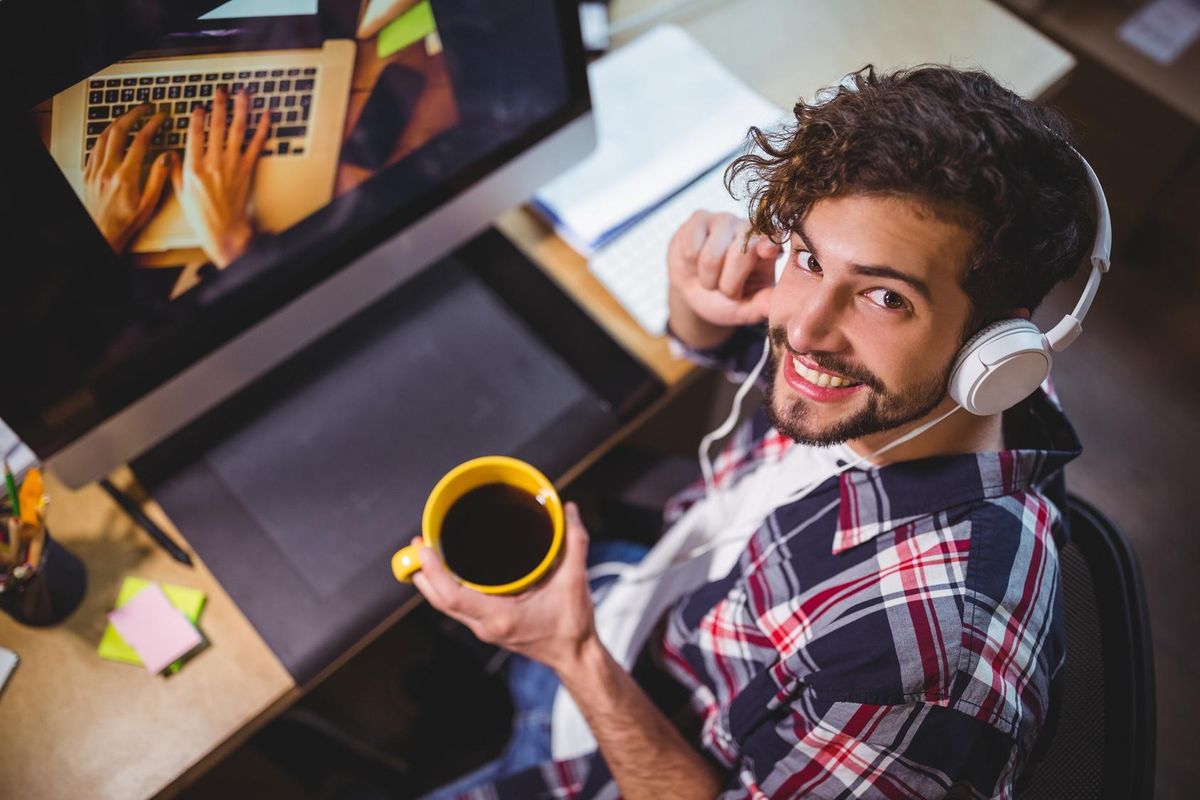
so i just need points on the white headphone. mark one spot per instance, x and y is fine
(1007, 360)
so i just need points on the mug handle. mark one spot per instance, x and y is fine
(405, 562)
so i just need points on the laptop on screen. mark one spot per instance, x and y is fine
(299, 84)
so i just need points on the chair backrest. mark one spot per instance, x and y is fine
(1102, 744)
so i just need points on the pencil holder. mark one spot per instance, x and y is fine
(47, 590)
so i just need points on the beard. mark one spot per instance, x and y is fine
(885, 409)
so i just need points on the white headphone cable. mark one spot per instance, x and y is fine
(723, 430)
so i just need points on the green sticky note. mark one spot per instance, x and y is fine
(411, 26)
(189, 601)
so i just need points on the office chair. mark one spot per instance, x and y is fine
(1102, 745)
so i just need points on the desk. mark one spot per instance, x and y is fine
(1092, 28)
(91, 728)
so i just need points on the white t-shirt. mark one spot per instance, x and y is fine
(702, 546)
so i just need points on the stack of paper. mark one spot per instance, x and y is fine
(153, 625)
(666, 111)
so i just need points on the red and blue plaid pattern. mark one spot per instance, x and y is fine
(894, 634)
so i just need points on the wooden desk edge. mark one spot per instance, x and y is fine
(287, 697)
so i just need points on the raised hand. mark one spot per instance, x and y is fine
(723, 278)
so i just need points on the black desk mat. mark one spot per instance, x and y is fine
(297, 492)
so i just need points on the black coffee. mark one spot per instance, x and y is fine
(495, 534)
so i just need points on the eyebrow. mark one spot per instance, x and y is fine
(872, 270)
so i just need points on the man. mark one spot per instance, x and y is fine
(894, 633)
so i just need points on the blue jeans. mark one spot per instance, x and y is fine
(533, 686)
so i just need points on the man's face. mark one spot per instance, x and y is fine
(866, 320)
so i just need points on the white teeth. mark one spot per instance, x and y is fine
(822, 379)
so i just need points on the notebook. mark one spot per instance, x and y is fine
(666, 112)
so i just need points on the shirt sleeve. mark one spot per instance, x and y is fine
(737, 356)
(875, 752)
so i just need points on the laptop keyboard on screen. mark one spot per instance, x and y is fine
(284, 94)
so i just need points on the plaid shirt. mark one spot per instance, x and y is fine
(895, 634)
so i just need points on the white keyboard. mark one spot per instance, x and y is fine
(633, 267)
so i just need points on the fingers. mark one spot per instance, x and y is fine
(141, 143)
(749, 265)
(256, 144)
(216, 130)
(159, 170)
(759, 306)
(686, 243)
(237, 131)
(176, 169)
(577, 539)
(193, 150)
(723, 260)
(722, 229)
(741, 261)
(96, 157)
(118, 133)
(767, 248)
(427, 589)
(446, 594)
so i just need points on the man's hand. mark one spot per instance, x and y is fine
(213, 183)
(550, 623)
(719, 280)
(112, 178)
(555, 624)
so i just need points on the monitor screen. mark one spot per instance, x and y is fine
(179, 176)
(235, 9)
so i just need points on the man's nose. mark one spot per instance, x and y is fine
(817, 323)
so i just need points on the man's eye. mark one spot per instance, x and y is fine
(888, 299)
(808, 261)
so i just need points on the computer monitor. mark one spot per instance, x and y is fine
(143, 284)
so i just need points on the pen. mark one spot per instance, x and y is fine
(9, 549)
(131, 508)
(37, 543)
(11, 487)
(10, 554)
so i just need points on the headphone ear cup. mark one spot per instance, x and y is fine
(1000, 366)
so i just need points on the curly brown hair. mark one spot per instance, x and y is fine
(966, 148)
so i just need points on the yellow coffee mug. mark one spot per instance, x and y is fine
(471, 475)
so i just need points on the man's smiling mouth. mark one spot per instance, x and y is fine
(819, 378)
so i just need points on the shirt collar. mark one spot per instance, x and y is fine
(879, 499)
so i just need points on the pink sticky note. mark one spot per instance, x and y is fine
(157, 630)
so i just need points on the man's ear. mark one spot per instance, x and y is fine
(1018, 313)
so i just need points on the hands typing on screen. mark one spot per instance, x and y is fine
(118, 203)
(212, 179)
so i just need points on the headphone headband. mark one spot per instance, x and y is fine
(1007, 360)
(1071, 325)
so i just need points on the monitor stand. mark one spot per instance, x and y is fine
(297, 491)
